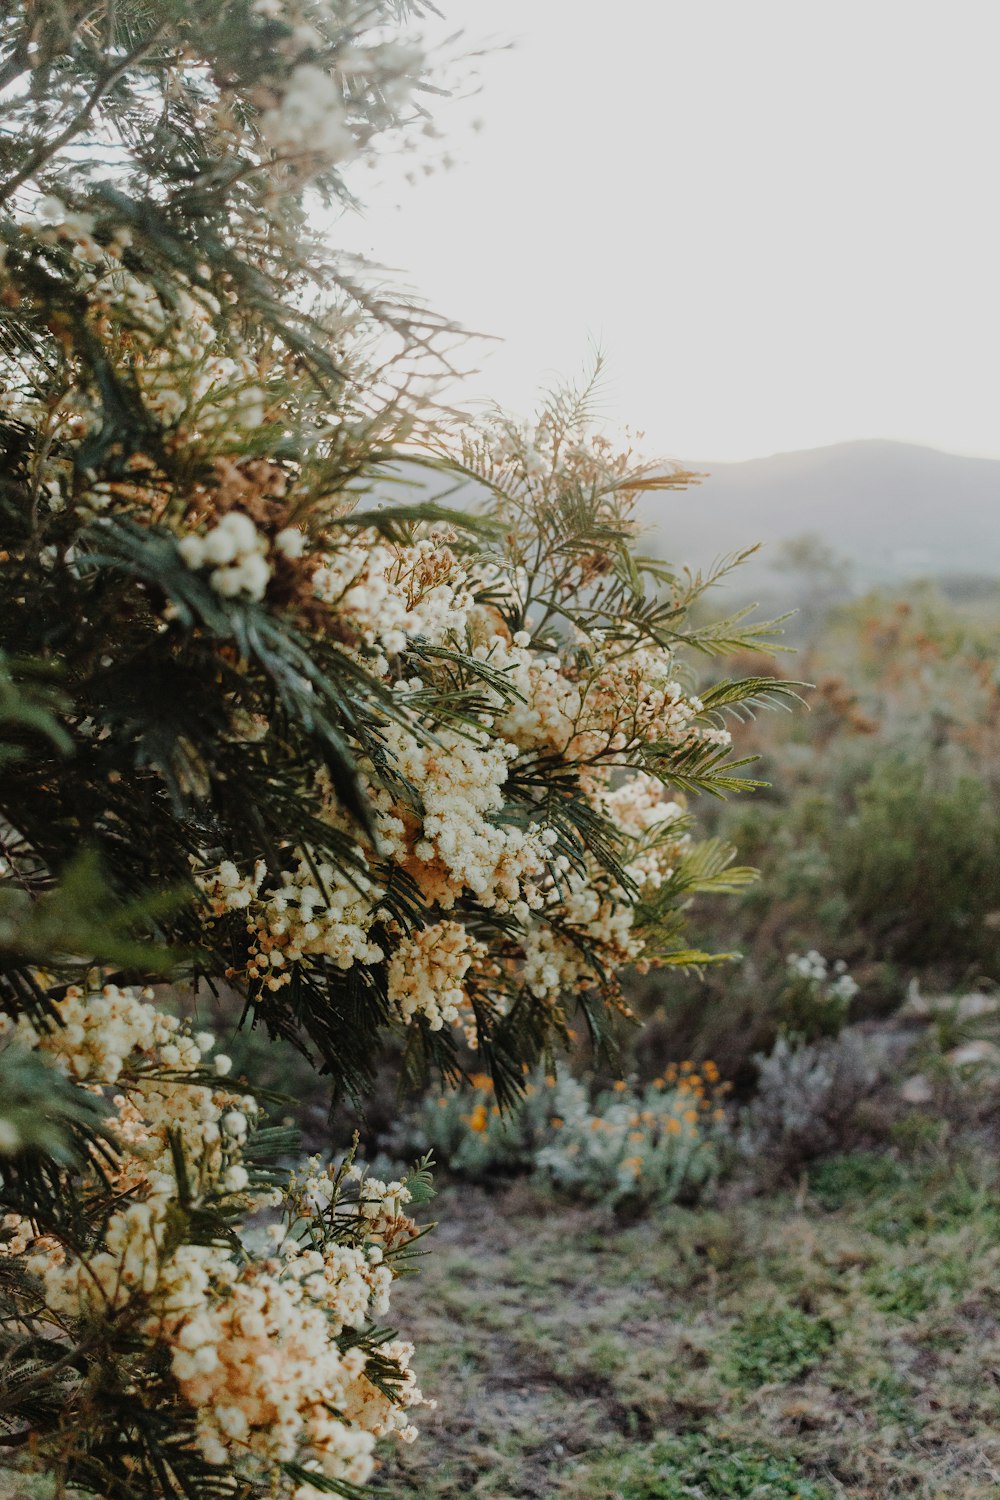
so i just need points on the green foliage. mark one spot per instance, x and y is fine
(44, 1119)
(843, 1180)
(920, 866)
(29, 705)
(905, 1292)
(79, 918)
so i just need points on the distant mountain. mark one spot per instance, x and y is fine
(893, 511)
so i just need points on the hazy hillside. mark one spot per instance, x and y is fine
(893, 510)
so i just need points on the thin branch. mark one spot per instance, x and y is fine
(47, 149)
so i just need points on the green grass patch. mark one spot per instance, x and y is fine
(844, 1180)
(703, 1466)
(778, 1344)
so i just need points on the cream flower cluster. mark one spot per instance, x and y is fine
(267, 1352)
(453, 834)
(298, 919)
(545, 704)
(100, 1029)
(259, 1355)
(554, 963)
(310, 119)
(455, 848)
(386, 595)
(588, 905)
(427, 974)
(447, 817)
(213, 391)
(654, 823)
(117, 1037)
(186, 375)
(235, 551)
(634, 698)
(53, 222)
(631, 697)
(460, 846)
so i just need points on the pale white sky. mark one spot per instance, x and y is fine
(780, 218)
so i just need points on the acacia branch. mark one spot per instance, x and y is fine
(47, 149)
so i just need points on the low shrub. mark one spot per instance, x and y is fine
(844, 1180)
(816, 998)
(806, 1096)
(919, 866)
(629, 1145)
(877, 837)
(654, 1146)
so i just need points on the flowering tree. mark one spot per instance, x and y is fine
(377, 767)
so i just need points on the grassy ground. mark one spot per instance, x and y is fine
(843, 1340)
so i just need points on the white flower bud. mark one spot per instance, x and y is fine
(290, 542)
(220, 546)
(240, 528)
(192, 551)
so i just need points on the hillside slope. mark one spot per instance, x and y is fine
(895, 511)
